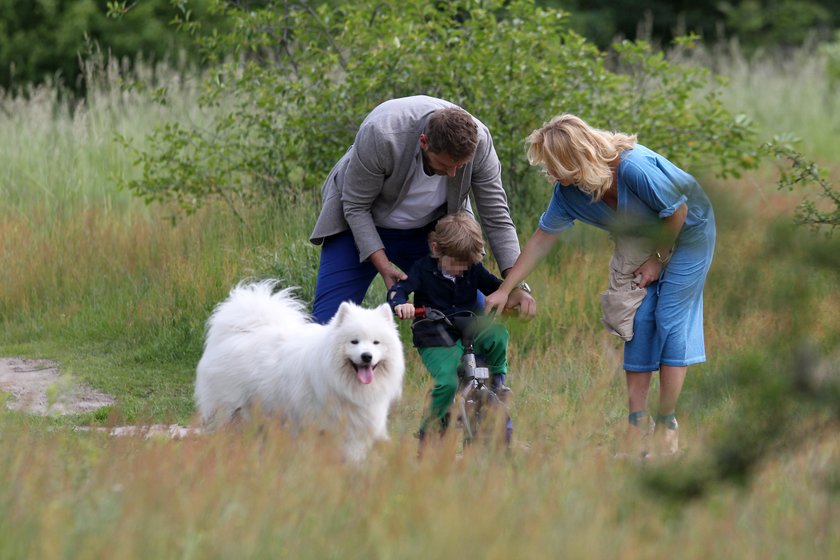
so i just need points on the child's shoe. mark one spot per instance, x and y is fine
(497, 385)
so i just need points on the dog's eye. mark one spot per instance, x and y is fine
(354, 342)
(376, 342)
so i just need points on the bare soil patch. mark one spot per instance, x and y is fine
(39, 387)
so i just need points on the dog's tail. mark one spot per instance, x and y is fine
(255, 306)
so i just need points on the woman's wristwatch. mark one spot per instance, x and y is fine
(666, 258)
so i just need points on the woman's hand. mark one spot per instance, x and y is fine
(404, 310)
(652, 268)
(496, 302)
(650, 271)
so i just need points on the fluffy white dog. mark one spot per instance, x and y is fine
(262, 349)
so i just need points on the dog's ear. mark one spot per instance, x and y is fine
(341, 314)
(385, 309)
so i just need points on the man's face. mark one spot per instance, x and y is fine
(439, 163)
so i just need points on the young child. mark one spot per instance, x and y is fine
(448, 280)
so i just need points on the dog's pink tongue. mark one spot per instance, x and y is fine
(365, 374)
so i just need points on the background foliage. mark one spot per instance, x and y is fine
(279, 72)
(755, 23)
(45, 39)
(98, 281)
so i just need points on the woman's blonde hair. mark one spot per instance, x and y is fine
(571, 151)
(458, 236)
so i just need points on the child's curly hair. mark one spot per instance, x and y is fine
(458, 236)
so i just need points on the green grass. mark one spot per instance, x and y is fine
(791, 92)
(106, 286)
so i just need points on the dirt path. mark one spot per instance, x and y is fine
(38, 387)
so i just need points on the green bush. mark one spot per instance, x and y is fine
(43, 41)
(288, 87)
(777, 22)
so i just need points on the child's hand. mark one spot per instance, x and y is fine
(405, 310)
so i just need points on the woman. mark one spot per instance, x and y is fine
(608, 180)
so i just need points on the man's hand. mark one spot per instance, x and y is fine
(389, 272)
(524, 301)
(405, 310)
(392, 275)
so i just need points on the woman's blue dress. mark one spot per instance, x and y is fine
(668, 326)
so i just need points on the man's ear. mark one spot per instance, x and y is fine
(433, 249)
(424, 141)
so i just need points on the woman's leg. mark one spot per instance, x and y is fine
(671, 379)
(638, 385)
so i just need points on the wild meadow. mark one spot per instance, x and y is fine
(117, 292)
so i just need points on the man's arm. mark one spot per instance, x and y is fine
(491, 202)
(363, 182)
(389, 272)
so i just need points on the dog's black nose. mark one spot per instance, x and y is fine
(367, 357)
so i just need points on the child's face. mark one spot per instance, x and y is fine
(453, 266)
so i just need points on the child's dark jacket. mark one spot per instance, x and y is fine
(432, 289)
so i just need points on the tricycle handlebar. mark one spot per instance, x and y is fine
(420, 311)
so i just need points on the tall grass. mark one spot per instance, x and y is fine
(108, 287)
(262, 496)
(58, 154)
(792, 91)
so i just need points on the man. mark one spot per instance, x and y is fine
(414, 160)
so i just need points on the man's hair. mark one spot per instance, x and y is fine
(452, 131)
(458, 236)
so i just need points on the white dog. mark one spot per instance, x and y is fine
(262, 349)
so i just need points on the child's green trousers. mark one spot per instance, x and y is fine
(442, 363)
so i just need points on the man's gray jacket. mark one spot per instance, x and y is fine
(372, 178)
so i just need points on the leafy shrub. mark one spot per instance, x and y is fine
(797, 172)
(289, 85)
(42, 41)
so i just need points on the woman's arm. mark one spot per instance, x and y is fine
(672, 225)
(535, 251)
